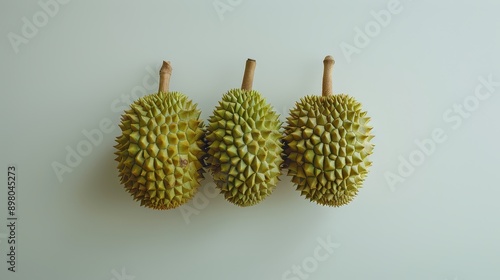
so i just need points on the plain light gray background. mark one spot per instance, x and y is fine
(413, 73)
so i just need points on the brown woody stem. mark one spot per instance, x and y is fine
(248, 76)
(165, 73)
(328, 63)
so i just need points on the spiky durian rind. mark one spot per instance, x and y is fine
(244, 147)
(327, 148)
(160, 150)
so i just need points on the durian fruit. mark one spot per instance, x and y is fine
(160, 149)
(327, 145)
(244, 144)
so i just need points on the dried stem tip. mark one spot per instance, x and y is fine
(327, 75)
(248, 76)
(165, 73)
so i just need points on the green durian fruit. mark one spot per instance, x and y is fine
(160, 149)
(327, 145)
(244, 146)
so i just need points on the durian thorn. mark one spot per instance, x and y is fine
(328, 63)
(165, 73)
(248, 75)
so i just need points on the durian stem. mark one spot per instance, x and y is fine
(248, 76)
(165, 73)
(328, 63)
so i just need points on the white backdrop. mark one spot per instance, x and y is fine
(427, 72)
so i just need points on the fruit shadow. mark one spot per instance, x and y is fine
(207, 213)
